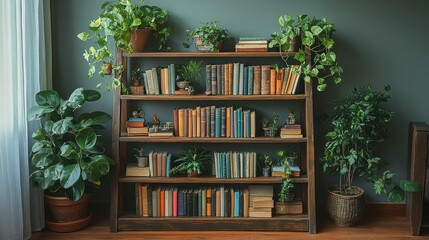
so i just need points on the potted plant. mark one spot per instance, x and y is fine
(270, 129)
(142, 158)
(193, 162)
(287, 193)
(316, 36)
(358, 126)
(136, 78)
(268, 162)
(188, 73)
(67, 155)
(291, 116)
(121, 22)
(207, 38)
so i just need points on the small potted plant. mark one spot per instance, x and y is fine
(315, 35)
(67, 155)
(192, 162)
(136, 78)
(188, 73)
(268, 162)
(270, 129)
(142, 158)
(207, 38)
(291, 116)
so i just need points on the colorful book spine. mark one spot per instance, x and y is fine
(245, 81)
(219, 79)
(257, 80)
(218, 122)
(265, 79)
(208, 79)
(250, 80)
(241, 79)
(235, 80)
(214, 79)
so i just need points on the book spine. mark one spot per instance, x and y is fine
(151, 85)
(209, 202)
(208, 123)
(256, 80)
(168, 168)
(222, 79)
(213, 77)
(173, 78)
(219, 79)
(231, 109)
(245, 81)
(214, 204)
(235, 125)
(279, 81)
(190, 125)
(226, 77)
(228, 122)
(218, 122)
(198, 133)
(155, 80)
(265, 80)
(194, 123)
(180, 203)
(231, 76)
(208, 79)
(176, 122)
(241, 79)
(273, 80)
(146, 86)
(223, 122)
(248, 124)
(174, 203)
(235, 79)
(203, 122)
(285, 79)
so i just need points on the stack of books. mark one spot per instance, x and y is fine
(159, 164)
(136, 127)
(251, 44)
(261, 201)
(278, 171)
(291, 131)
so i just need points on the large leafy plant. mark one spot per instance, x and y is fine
(115, 24)
(193, 161)
(67, 151)
(209, 34)
(358, 126)
(315, 35)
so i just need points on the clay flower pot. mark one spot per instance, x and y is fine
(138, 39)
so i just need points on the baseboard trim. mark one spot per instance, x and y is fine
(386, 209)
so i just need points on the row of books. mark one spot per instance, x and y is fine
(235, 164)
(216, 201)
(251, 45)
(212, 121)
(161, 80)
(237, 79)
(159, 164)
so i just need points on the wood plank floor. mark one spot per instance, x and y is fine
(386, 227)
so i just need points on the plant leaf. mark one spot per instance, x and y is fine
(62, 126)
(69, 152)
(86, 139)
(83, 36)
(48, 98)
(78, 189)
(91, 95)
(70, 175)
(97, 168)
(410, 186)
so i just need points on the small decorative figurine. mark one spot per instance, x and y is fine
(138, 113)
(156, 121)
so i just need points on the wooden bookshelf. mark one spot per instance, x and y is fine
(119, 217)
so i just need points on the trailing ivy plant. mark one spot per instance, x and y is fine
(209, 34)
(316, 36)
(358, 126)
(67, 152)
(114, 25)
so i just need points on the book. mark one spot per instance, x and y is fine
(250, 45)
(208, 79)
(145, 83)
(172, 78)
(133, 170)
(261, 190)
(155, 80)
(137, 131)
(245, 80)
(154, 203)
(245, 202)
(219, 79)
(290, 131)
(236, 79)
(214, 79)
(135, 124)
(151, 85)
(226, 78)
(230, 77)
(273, 80)
(279, 81)
(161, 134)
(291, 136)
(254, 38)
(250, 80)
(176, 122)
(251, 50)
(284, 80)
(241, 79)
(256, 80)
(260, 214)
(198, 116)
(263, 204)
(265, 79)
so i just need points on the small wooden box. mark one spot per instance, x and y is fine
(294, 207)
(137, 90)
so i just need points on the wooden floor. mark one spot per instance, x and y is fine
(385, 227)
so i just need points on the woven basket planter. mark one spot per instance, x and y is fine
(345, 210)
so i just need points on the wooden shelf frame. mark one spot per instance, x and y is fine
(209, 180)
(303, 222)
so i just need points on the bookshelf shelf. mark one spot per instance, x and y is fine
(268, 140)
(122, 143)
(298, 222)
(209, 180)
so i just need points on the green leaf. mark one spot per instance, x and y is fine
(100, 117)
(396, 195)
(86, 139)
(37, 146)
(321, 87)
(97, 168)
(281, 21)
(307, 79)
(83, 36)
(91, 71)
(76, 99)
(300, 56)
(410, 186)
(337, 80)
(54, 172)
(331, 56)
(48, 98)
(91, 95)
(136, 22)
(316, 30)
(78, 189)
(69, 152)
(36, 112)
(39, 134)
(70, 175)
(62, 126)
(43, 158)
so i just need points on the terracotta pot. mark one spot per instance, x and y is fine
(62, 209)
(70, 226)
(138, 39)
(193, 174)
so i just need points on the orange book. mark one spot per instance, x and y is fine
(218, 208)
(194, 123)
(289, 79)
(189, 122)
(209, 202)
(230, 72)
(135, 124)
(273, 79)
(228, 122)
(246, 202)
(279, 80)
(162, 203)
(198, 111)
(292, 79)
(232, 201)
(181, 120)
(144, 196)
(166, 82)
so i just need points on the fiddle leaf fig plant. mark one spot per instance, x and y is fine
(315, 35)
(67, 152)
(358, 126)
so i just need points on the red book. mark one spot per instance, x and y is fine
(175, 202)
(162, 203)
(135, 124)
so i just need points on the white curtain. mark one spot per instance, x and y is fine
(25, 70)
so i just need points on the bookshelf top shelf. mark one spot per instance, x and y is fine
(202, 97)
(206, 54)
(211, 180)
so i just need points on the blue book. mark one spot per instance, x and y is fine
(241, 79)
(237, 158)
(155, 80)
(240, 123)
(228, 165)
(132, 119)
(235, 78)
(236, 203)
(180, 203)
(250, 81)
(168, 165)
(223, 166)
(146, 86)
(235, 124)
(245, 81)
(172, 77)
(247, 123)
(218, 122)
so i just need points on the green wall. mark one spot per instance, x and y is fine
(377, 42)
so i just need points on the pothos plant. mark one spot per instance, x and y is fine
(209, 34)
(358, 126)
(114, 25)
(316, 36)
(67, 152)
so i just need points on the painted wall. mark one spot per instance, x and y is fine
(377, 42)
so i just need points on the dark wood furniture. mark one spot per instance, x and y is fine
(120, 220)
(419, 140)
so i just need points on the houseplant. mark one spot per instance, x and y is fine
(291, 116)
(117, 22)
(189, 73)
(136, 79)
(142, 158)
(287, 193)
(316, 36)
(193, 161)
(270, 129)
(268, 162)
(207, 38)
(358, 126)
(67, 154)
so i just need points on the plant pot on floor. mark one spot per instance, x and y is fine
(345, 210)
(138, 39)
(65, 215)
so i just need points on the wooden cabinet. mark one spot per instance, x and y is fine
(120, 220)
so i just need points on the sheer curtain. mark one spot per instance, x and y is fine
(24, 68)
